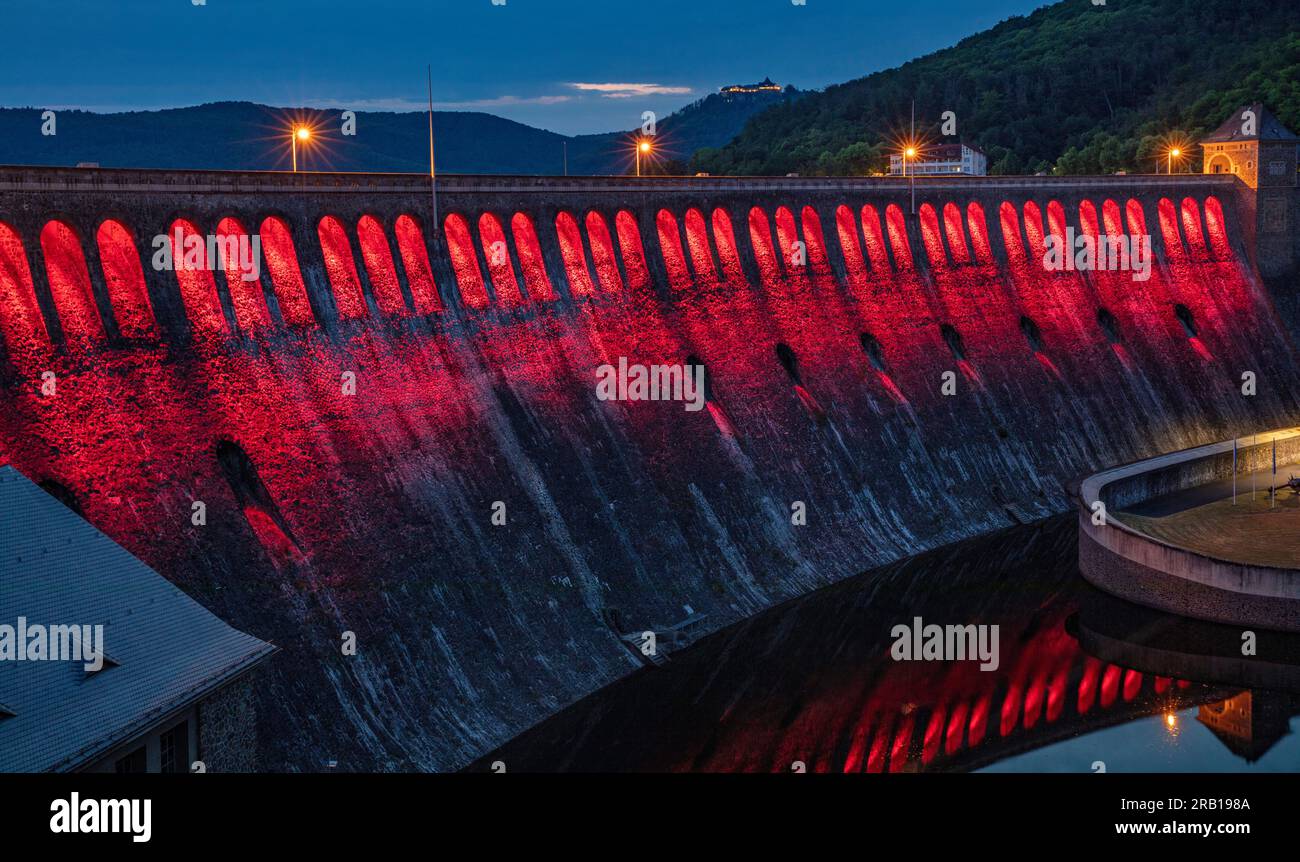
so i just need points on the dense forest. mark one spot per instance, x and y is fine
(1073, 88)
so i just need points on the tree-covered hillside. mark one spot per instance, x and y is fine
(1072, 88)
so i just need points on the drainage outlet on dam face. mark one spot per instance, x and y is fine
(1109, 325)
(255, 501)
(694, 366)
(790, 363)
(955, 344)
(875, 352)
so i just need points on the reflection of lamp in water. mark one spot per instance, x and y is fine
(1171, 720)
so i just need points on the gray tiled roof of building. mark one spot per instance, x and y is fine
(55, 568)
(1267, 128)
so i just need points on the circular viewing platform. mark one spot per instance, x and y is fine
(1204, 532)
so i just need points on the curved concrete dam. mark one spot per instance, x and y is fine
(394, 433)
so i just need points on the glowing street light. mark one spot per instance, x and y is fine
(298, 133)
(909, 155)
(1174, 153)
(643, 146)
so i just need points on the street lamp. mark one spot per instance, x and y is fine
(1174, 153)
(909, 154)
(642, 146)
(298, 133)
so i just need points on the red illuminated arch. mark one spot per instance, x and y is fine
(501, 269)
(246, 296)
(1011, 240)
(1217, 229)
(378, 259)
(931, 239)
(670, 245)
(21, 323)
(342, 268)
(1192, 229)
(897, 226)
(1033, 221)
(760, 238)
(787, 235)
(1056, 224)
(1173, 240)
(724, 239)
(286, 278)
(65, 266)
(602, 252)
(875, 240)
(464, 262)
(697, 240)
(415, 261)
(979, 232)
(816, 240)
(629, 241)
(575, 261)
(124, 277)
(850, 247)
(952, 225)
(531, 260)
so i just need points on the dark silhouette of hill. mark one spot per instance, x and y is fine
(247, 136)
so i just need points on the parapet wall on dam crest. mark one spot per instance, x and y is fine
(474, 356)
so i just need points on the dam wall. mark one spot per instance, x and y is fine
(394, 434)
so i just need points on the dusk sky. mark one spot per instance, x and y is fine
(572, 66)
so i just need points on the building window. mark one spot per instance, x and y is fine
(133, 762)
(174, 748)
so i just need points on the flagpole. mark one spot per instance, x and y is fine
(1252, 473)
(1234, 471)
(433, 174)
(1272, 492)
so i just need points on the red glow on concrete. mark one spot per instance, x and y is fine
(496, 251)
(65, 266)
(849, 244)
(1217, 229)
(629, 243)
(931, 239)
(1047, 364)
(342, 268)
(194, 275)
(575, 260)
(794, 256)
(880, 745)
(952, 226)
(956, 729)
(670, 245)
(415, 261)
(1011, 235)
(815, 239)
(271, 537)
(898, 242)
(378, 259)
(979, 720)
(464, 262)
(1132, 684)
(902, 743)
(1110, 685)
(603, 255)
(1056, 693)
(246, 297)
(1162, 684)
(1136, 218)
(720, 419)
(1011, 707)
(979, 233)
(1192, 229)
(1056, 224)
(760, 240)
(933, 735)
(724, 238)
(286, 278)
(124, 277)
(21, 323)
(810, 404)
(1033, 221)
(1088, 222)
(531, 260)
(875, 241)
(890, 387)
(1112, 219)
(1200, 348)
(697, 240)
(1088, 685)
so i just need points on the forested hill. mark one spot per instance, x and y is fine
(1072, 88)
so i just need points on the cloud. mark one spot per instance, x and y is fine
(629, 91)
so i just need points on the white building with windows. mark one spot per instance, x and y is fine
(942, 160)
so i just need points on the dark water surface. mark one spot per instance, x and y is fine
(1083, 679)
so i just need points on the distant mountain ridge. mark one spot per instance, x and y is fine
(248, 136)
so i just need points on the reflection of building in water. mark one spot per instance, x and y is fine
(1250, 723)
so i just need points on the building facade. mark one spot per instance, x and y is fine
(943, 160)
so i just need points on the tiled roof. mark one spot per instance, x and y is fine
(1267, 128)
(56, 569)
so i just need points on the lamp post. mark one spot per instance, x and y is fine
(909, 154)
(642, 146)
(299, 133)
(1174, 153)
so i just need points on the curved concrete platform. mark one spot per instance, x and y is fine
(1122, 558)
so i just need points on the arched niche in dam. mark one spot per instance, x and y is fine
(124, 278)
(69, 279)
